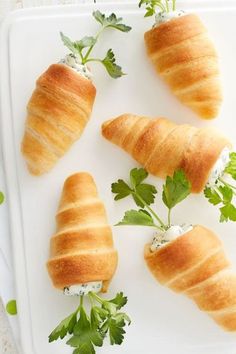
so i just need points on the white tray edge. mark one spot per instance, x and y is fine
(8, 144)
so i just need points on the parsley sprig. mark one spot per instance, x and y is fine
(175, 190)
(222, 193)
(154, 7)
(89, 330)
(83, 48)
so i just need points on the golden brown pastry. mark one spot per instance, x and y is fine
(163, 147)
(82, 249)
(58, 112)
(195, 264)
(186, 59)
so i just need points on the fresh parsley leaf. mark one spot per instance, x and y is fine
(66, 326)
(85, 348)
(1, 197)
(120, 300)
(99, 16)
(231, 168)
(83, 324)
(116, 331)
(69, 44)
(146, 192)
(77, 47)
(111, 21)
(11, 308)
(151, 6)
(227, 194)
(142, 2)
(223, 218)
(109, 62)
(85, 42)
(137, 217)
(175, 189)
(122, 316)
(212, 195)
(97, 316)
(143, 195)
(84, 335)
(222, 194)
(228, 212)
(114, 321)
(137, 176)
(89, 332)
(121, 189)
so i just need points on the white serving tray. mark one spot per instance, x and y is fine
(163, 322)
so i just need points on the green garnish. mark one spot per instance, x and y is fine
(158, 6)
(137, 217)
(175, 190)
(11, 308)
(231, 167)
(223, 192)
(1, 198)
(83, 48)
(89, 330)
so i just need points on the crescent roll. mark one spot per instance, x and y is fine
(58, 112)
(82, 249)
(186, 59)
(195, 264)
(163, 147)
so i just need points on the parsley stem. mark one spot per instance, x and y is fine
(162, 7)
(226, 183)
(174, 5)
(167, 6)
(94, 59)
(158, 227)
(85, 59)
(81, 301)
(96, 297)
(169, 212)
(163, 226)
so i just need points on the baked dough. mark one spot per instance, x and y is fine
(195, 264)
(184, 56)
(58, 112)
(163, 147)
(82, 249)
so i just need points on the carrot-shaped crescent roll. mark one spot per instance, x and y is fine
(82, 262)
(195, 264)
(162, 147)
(58, 112)
(82, 249)
(186, 258)
(62, 101)
(185, 57)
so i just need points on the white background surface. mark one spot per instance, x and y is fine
(157, 313)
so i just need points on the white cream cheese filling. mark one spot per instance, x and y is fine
(74, 62)
(83, 289)
(161, 238)
(163, 17)
(219, 167)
